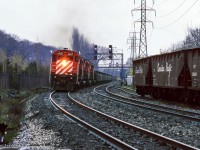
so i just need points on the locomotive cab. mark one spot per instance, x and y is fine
(64, 69)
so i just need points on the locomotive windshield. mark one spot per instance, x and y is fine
(66, 57)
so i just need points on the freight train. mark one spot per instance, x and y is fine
(169, 76)
(69, 70)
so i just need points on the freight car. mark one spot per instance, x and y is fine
(170, 76)
(69, 70)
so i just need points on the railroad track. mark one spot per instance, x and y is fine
(120, 122)
(110, 139)
(128, 92)
(133, 93)
(155, 107)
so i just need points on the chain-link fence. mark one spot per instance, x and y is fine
(19, 82)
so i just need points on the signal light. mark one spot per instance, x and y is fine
(95, 52)
(110, 52)
(117, 65)
(95, 58)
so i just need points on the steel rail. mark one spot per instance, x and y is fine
(116, 142)
(136, 128)
(142, 106)
(127, 91)
(189, 112)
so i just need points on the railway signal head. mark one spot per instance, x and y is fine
(95, 52)
(117, 65)
(95, 58)
(95, 46)
(110, 52)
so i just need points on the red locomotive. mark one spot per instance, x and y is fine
(69, 69)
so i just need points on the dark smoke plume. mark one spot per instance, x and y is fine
(81, 45)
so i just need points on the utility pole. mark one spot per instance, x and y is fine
(143, 20)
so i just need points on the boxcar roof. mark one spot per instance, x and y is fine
(168, 53)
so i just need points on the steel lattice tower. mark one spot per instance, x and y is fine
(143, 38)
(133, 44)
(143, 20)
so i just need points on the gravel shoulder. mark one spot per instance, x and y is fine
(45, 128)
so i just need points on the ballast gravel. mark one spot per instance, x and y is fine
(165, 103)
(177, 128)
(45, 128)
(128, 136)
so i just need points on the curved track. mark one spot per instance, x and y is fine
(155, 107)
(115, 142)
(127, 125)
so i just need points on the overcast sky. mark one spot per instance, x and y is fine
(103, 22)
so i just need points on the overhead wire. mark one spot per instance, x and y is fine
(150, 35)
(136, 1)
(153, 27)
(199, 11)
(150, 8)
(173, 10)
(179, 17)
(162, 2)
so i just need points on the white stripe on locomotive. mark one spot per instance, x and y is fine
(68, 67)
(62, 66)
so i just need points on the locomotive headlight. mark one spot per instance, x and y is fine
(64, 63)
(55, 77)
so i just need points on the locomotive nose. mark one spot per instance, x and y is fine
(64, 66)
(64, 63)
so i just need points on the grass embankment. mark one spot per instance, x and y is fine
(12, 111)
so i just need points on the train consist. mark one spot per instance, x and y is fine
(170, 76)
(69, 70)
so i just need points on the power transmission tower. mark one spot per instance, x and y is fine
(133, 44)
(143, 20)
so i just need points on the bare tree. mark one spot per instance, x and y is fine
(24, 65)
(18, 61)
(192, 40)
(80, 43)
(3, 60)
